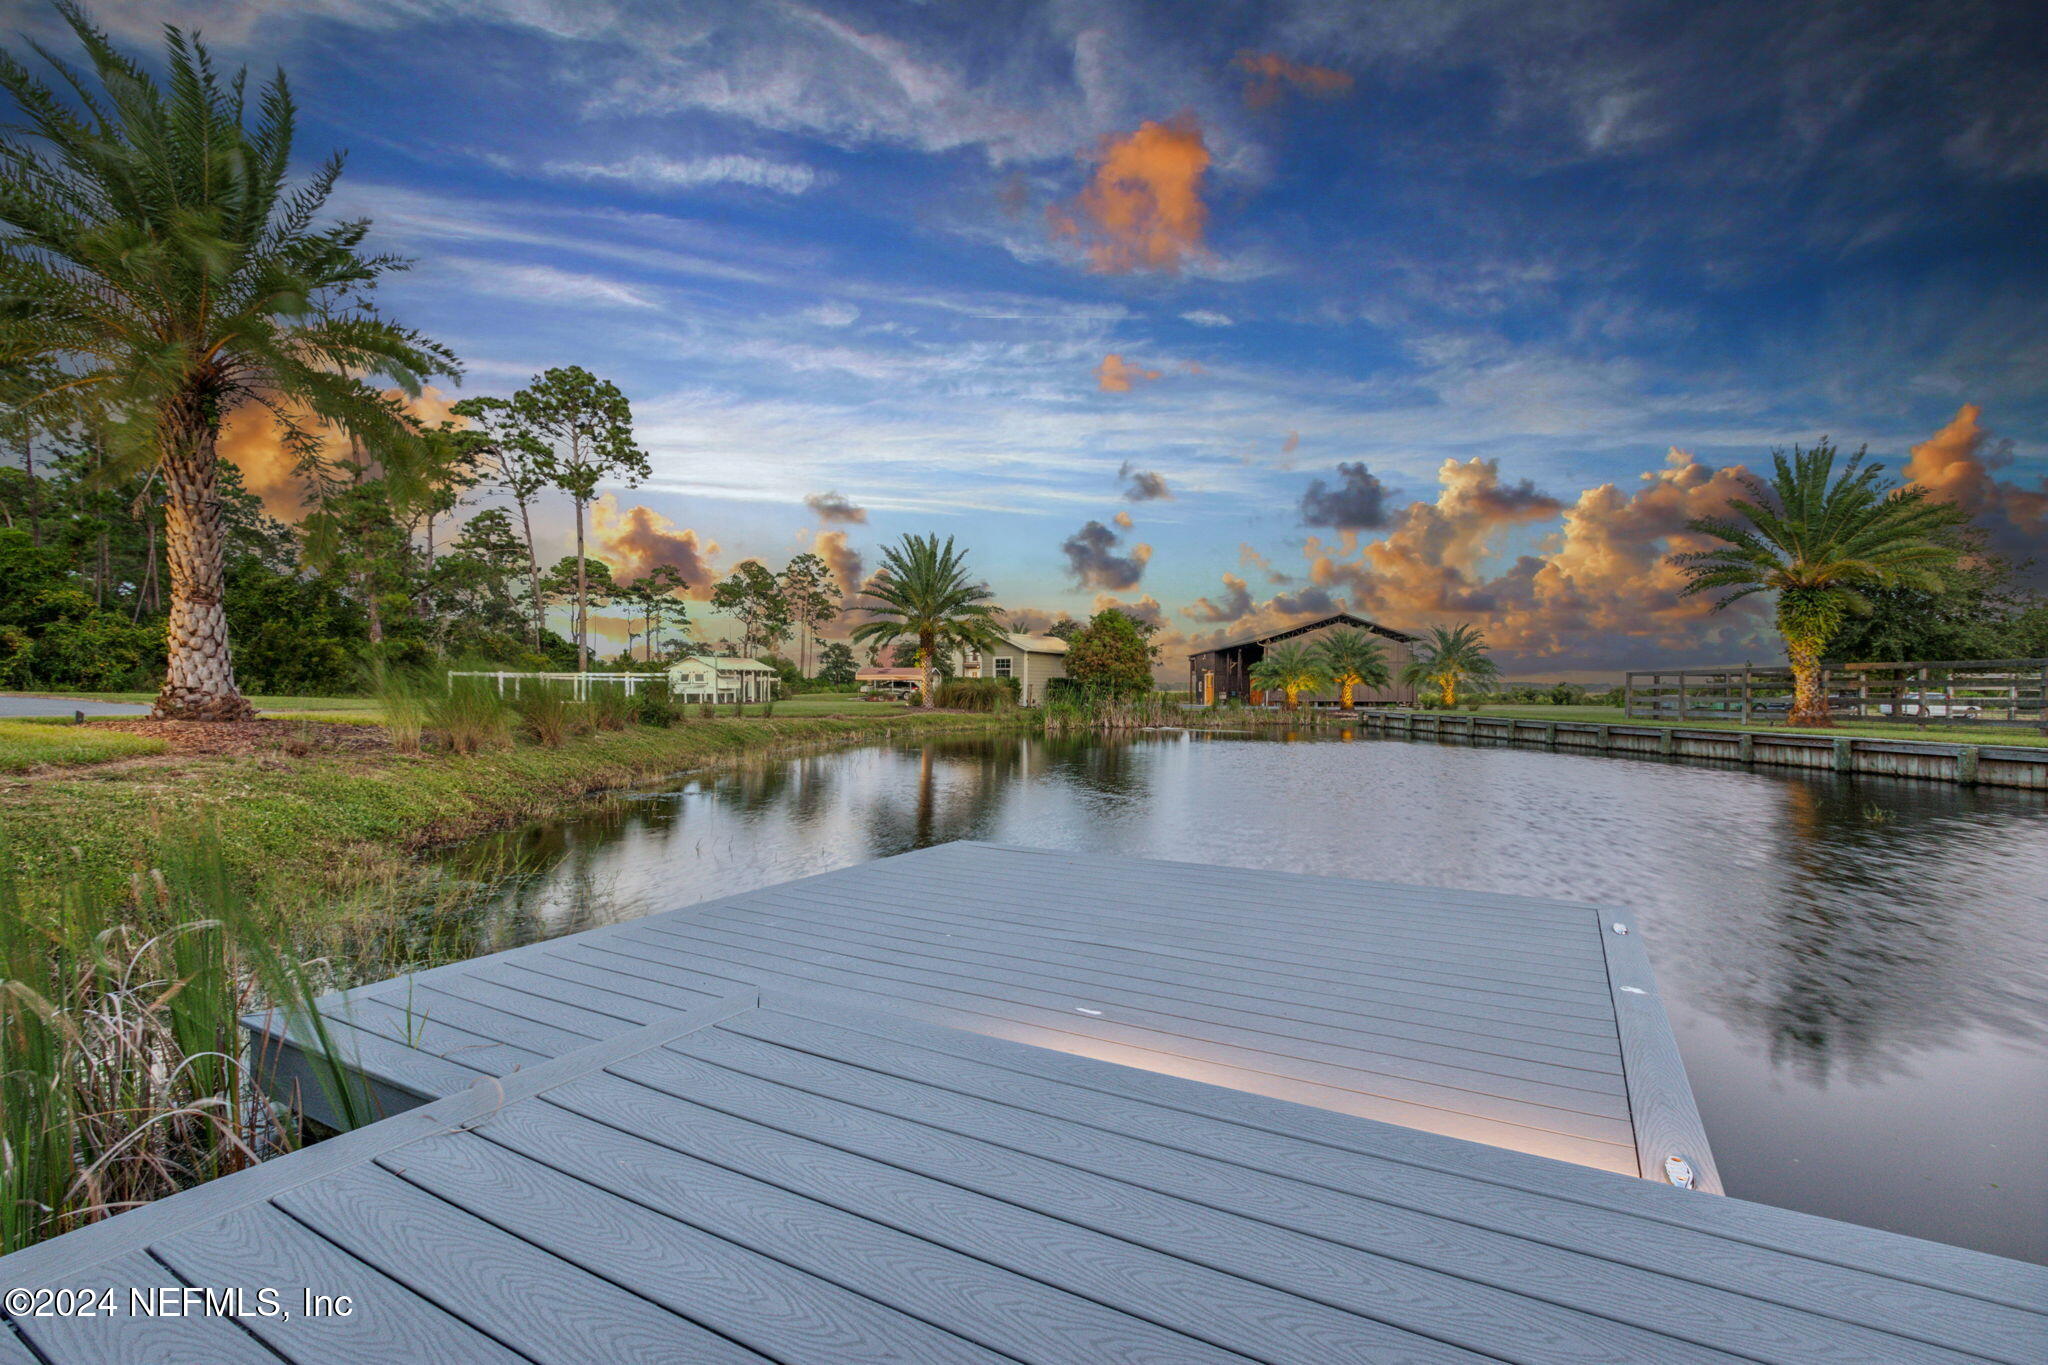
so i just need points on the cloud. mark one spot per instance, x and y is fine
(1274, 75)
(1235, 604)
(841, 559)
(250, 439)
(1093, 559)
(1142, 485)
(1359, 503)
(1145, 610)
(1291, 444)
(545, 284)
(1115, 376)
(1208, 317)
(1123, 520)
(1142, 208)
(635, 539)
(650, 170)
(835, 506)
(832, 315)
(1959, 463)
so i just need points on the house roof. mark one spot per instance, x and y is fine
(1269, 637)
(1037, 644)
(722, 664)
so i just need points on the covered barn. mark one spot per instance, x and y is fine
(1225, 670)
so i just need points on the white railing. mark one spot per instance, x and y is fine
(579, 682)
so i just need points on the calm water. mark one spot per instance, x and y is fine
(1855, 967)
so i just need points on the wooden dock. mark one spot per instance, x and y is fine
(791, 1180)
(1517, 1022)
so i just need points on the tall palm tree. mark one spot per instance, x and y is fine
(1816, 539)
(1352, 658)
(922, 590)
(1292, 669)
(1452, 659)
(157, 253)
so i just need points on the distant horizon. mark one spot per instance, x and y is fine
(1435, 313)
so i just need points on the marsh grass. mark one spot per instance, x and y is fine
(402, 700)
(546, 712)
(123, 1074)
(611, 709)
(469, 715)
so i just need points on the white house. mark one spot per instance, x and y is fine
(714, 678)
(1033, 660)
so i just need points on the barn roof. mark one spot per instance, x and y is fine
(1284, 632)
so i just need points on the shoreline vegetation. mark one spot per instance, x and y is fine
(301, 819)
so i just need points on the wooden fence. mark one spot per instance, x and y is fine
(1973, 692)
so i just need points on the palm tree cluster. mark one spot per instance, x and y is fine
(1818, 540)
(158, 270)
(1344, 659)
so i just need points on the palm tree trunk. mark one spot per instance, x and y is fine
(925, 645)
(199, 683)
(1450, 690)
(1344, 703)
(582, 599)
(1809, 702)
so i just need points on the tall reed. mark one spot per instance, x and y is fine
(470, 715)
(546, 710)
(123, 1076)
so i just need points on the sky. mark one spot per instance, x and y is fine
(1232, 314)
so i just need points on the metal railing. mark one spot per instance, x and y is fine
(1932, 692)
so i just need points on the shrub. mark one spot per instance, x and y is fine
(977, 694)
(544, 709)
(470, 715)
(1567, 694)
(653, 704)
(611, 708)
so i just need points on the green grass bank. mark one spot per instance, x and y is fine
(299, 826)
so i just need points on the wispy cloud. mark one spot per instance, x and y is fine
(653, 171)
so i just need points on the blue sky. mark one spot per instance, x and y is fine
(884, 249)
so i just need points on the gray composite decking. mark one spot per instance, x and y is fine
(791, 1180)
(1523, 1023)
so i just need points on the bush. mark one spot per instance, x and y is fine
(611, 708)
(470, 715)
(977, 694)
(1567, 694)
(545, 709)
(654, 706)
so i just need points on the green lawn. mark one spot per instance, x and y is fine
(26, 744)
(1868, 729)
(267, 704)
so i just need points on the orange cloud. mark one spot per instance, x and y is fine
(1959, 463)
(249, 438)
(1116, 376)
(635, 539)
(1142, 208)
(1123, 519)
(1274, 75)
(1291, 444)
(842, 559)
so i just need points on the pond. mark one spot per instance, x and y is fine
(1854, 966)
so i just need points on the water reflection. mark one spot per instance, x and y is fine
(1848, 960)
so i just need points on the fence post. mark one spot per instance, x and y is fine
(1745, 694)
(1681, 697)
(1628, 696)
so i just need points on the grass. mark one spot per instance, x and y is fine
(1941, 733)
(28, 744)
(124, 1073)
(267, 704)
(329, 822)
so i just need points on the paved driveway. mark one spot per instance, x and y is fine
(18, 704)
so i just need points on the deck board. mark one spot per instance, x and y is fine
(1475, 1015)
(800, 1180)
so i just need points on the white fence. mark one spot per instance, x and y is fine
(580, 683)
